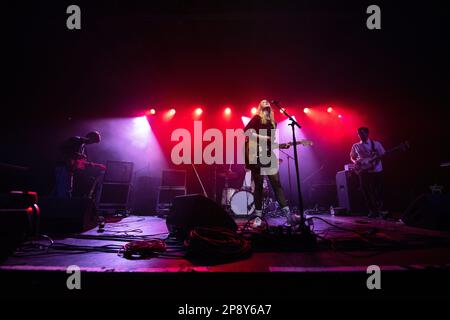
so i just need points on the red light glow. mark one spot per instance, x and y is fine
(198, 111)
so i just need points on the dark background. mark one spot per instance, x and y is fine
(133, 54)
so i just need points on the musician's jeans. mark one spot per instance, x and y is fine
(276, 186)
(64, 182)
(372, 188)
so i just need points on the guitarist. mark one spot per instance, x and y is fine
(73, 157)
(371, 178)
(262, 127)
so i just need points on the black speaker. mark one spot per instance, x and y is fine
(349, 193)
(60, 216)
(19, 219)
(114, 194)
(118, 172)
(430, 211)
(145, 195)
(173, 178)
(191, 211)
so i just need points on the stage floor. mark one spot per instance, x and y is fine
(391, 245)
(349, 247)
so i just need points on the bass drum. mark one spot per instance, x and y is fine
(242, 203)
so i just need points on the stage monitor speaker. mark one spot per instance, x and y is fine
(430, 211)
(118, 172)
(191, 211)
(60, 216)
(349, 193)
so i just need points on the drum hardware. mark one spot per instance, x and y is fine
(227, 192)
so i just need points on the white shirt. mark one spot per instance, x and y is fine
(364, 150)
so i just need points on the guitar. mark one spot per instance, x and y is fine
(253, 152)
(368, 163)
(82, 163)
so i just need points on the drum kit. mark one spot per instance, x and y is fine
(240, 202)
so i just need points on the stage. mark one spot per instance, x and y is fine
(412, 261)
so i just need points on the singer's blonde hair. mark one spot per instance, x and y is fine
(263, 116)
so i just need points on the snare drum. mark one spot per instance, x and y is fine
(242, 203)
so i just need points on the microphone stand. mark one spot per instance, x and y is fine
(294, 124)
(288, 156)
(199, 180)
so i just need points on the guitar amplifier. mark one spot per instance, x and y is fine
(174, 178)
(114, 196)
(349, 194)
(118, 172)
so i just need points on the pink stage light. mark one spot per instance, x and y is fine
(227, 111)
(172, 112)
(254, 110)
(339, 116)
(141, 127)
(330, 109)
(306, 110)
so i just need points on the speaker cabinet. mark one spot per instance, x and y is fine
(174, 178)
(191, 211)
(430, 211)
(118, 172)
(145, 195)
(349, 194)
(114, 196)
(60, 216)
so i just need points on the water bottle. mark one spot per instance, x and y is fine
(332, 210)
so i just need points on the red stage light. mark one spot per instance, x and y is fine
(198, 111)
(227, 111)
(254, 110)
(330, 109)
(306, 110)
(172, 112)
(339, 115)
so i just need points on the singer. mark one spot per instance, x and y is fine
(263, 123)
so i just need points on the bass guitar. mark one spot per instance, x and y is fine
(368, 163)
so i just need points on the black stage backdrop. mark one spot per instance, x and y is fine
(133, 54)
